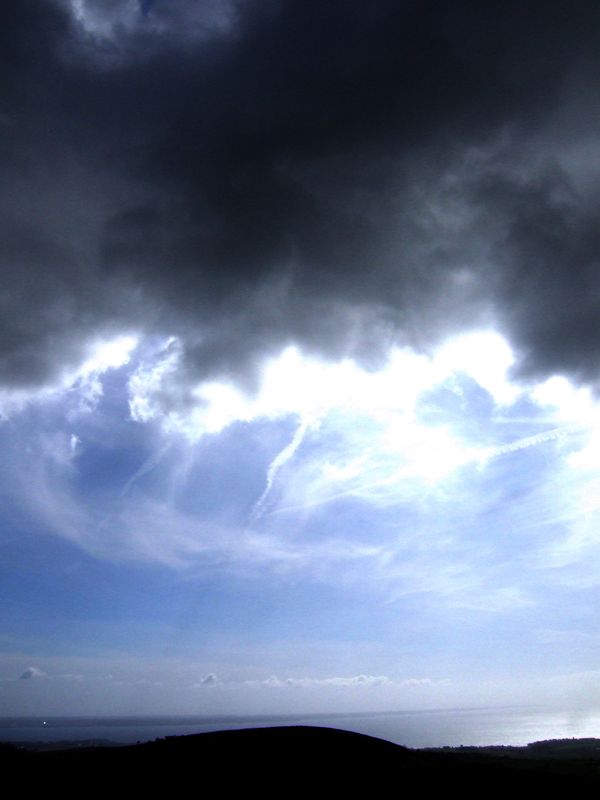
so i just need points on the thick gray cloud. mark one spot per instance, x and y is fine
(342, 175)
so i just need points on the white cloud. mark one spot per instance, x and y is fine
(404, 444)
(295, 384)
(351, 681)
(95, 21)
(83, 382)
(276, 465)
(208, 680)
(418, 683)
(486, 357)
(354, 680)
(32, 672)
(74, 443)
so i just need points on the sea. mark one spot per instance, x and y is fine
(436, 728)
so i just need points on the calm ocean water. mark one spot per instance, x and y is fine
(414, 729)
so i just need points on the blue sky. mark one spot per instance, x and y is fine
(415, 536)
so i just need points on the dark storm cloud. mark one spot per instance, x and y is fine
(547, 256)
(342, 175)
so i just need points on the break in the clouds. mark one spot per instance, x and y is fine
(299, 341)
(434, 476)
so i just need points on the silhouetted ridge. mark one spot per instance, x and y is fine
(275, 761)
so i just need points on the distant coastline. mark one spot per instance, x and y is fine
(498, 726)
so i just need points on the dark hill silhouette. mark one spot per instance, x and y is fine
(277, 761)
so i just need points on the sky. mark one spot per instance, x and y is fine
(299, 356)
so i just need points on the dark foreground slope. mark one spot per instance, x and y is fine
(277, 760)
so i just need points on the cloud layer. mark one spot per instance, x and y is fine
(247, 176)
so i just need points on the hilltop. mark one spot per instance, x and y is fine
(281, 759)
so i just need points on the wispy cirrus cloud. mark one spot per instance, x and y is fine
(387, 479)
